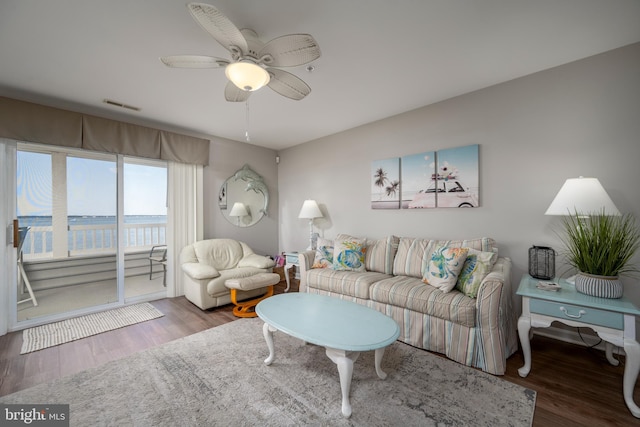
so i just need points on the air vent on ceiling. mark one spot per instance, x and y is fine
(120, 104)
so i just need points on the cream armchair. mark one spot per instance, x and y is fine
(208, 264)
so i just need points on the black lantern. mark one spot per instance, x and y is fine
(542, 262)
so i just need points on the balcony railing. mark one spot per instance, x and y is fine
(92, 239)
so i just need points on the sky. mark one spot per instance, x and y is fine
(92, 186)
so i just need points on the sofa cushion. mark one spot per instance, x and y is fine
(476, 267)
(414, 254)
(411, 293)
(410, 258)
(348, 254)
(380, 254)
(444, 267)
(350, 283)
(324, 254)
(485, 244)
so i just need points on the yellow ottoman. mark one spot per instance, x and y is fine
(247, 308)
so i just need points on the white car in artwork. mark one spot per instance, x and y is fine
(451, 193)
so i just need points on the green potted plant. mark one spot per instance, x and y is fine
(601, 247)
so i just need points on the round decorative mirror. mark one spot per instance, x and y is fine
(244, 198)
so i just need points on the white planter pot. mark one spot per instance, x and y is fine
(599, 286)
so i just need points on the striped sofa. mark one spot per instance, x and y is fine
(478, 332)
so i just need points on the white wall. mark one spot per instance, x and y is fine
(534, 132)
(225, 158)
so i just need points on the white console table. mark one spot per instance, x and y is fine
(614, 320)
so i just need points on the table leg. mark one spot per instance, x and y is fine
(378, 360)
(608, 351)
(287, 267)
(631, 369)
(344, 360)
(268, 331)
(524, 326)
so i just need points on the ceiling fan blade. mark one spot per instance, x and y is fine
(233, 93)
(193, 61)
(290, 51)
(286, 84)
(218, 25)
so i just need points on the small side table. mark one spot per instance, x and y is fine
(291, 259)
(612, 319)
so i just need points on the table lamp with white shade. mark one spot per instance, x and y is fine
(599, 240)
(583, 196)
(238, 210)
(310, 210)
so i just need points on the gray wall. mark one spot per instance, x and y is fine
(225, 158)
(534, 132)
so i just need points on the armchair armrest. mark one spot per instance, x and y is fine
(256, 261)
(305, 261)
(198, 271)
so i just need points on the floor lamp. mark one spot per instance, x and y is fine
(310, 210)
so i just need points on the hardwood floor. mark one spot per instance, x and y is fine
(576, 386)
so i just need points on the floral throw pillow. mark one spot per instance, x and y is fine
(324, 254)
(349, 254)
(474, 270)
(444, 267)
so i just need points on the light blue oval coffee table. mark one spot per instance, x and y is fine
(344, 328)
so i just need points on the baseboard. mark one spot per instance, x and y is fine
(572, 336)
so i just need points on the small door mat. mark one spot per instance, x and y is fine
(53, 334)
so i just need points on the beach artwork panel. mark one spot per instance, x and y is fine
(385, 184)
(418, 189)
(457, 179)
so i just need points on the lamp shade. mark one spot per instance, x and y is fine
(247, 75)
(583, 196)
(310, 210)
(238, 209)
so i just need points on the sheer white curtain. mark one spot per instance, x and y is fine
(184, 218)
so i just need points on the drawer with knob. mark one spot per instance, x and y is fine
(589, 315)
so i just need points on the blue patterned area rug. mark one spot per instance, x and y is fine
(57, 333)
(217, 377)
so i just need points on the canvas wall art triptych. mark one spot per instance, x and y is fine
(434, 179)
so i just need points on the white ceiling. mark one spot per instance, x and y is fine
(379, 57)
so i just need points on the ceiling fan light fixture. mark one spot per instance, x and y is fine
(247, 75)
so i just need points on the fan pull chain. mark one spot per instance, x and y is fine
(246, 134)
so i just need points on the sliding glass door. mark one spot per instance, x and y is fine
(95, 231)
(145, 228)
(68, 205)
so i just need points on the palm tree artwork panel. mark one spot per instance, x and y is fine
(385, 184)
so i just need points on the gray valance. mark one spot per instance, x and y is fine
(25, 121)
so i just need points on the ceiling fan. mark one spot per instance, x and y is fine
(252, 61)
